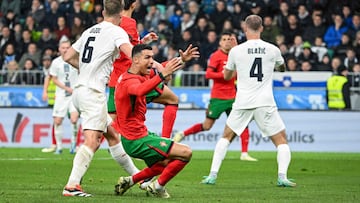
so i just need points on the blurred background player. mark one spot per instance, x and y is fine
(65, 77)
(222, 95)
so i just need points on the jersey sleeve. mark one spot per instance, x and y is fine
(53, 70)
(140, 89)
(120, 36)
(279, 60)
(230, 65)
(77, 45)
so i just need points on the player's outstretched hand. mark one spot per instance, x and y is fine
(190, 53)
(172, 66)
(150, 37)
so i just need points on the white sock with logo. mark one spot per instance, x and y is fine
(81, 163)
(219, 155)
(283, 160)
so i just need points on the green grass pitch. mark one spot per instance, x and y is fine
(27, 175)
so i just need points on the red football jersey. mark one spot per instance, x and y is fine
(221, 89)
(130, 99)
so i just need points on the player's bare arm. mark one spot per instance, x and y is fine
(150, 37)
(281, 68)
(71, 56)
(228, 74)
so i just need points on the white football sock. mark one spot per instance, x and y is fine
(219, 155)
(81, 163)
(283, 160)
(118, 153)
(59, 133)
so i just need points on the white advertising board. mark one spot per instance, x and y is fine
(312, 131)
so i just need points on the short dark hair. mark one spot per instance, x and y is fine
(138, 48)
(127, 4)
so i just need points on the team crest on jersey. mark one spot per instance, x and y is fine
(163, 144)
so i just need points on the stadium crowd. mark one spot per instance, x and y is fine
(313, 35)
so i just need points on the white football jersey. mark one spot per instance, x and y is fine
(65, 73)
(98, 47)
(254, 61)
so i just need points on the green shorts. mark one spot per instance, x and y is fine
(151, 148)
(111, 101)
(155, 93)
(218, 106)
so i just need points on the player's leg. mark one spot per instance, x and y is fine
(270, 123)
(219, 155)
(59, 133)
(244, 146)
(74, 117)
(111, 103)
(163, 95)
(94, 117)
(118, 153)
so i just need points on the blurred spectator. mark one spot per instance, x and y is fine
(175, 19)
(13, 5)
(208, 47)
(292, 29)
(350, 59)
(338, 90)
(142, 30)
(153, 17)
(187, 22)
(355, 25)
(269, 8)
(77, 28)
(334, 32)
(37, 11)
(45, 66)
(163, 31)
(281, 18)
(315, 29)
(8, 55)
(340, 50)
(47, 40)
(285, 51)
(139, 12)
(158, 55)
(53, 15)
(62, 29)
(77, 11)
(291, 64)
(98, 7)
(219, 16)
(354, 78)
(238, 15)
(66, 7)
(32, 53)
(324, 64)
(12, 75)
(256, 8)
(356, 44)
(303, 16)
(30, 75)
(10, 19)
(17, 33)
(6, 37)
(308, 55)
(25, 41)
(306, 66)
(319, 48)
(297, 47)
(335, 63)
(270, 30)
(185, 41)
(200, 30)
(280, 39)
(33, 27)
(208, 6)
(227, 26)
(347, 15)
(194, 10)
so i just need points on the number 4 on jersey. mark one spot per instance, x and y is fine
(256, 69)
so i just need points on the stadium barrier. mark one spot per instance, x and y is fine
(308, 131)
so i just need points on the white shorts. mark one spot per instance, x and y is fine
(267, 119)
(62, 106)
(92, 106)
